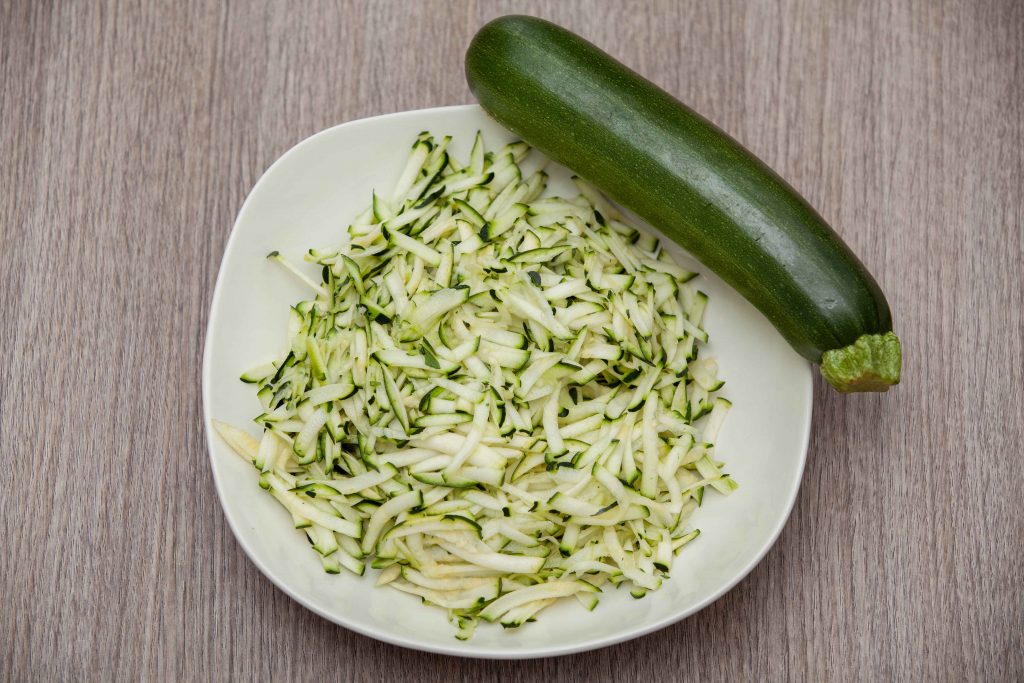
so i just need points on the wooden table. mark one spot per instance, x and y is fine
(131, 132)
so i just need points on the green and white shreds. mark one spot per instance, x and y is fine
(493, 396)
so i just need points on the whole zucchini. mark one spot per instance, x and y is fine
(696, 184)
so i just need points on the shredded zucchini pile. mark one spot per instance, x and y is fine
(493, 396)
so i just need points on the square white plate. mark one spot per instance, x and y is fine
(307, 199)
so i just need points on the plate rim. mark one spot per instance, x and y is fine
(384, 636)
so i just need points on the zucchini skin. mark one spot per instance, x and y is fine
(682, 174)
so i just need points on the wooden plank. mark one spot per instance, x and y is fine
(132, 132)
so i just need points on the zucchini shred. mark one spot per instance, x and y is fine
(495, 397)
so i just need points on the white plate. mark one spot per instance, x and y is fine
(306, 199)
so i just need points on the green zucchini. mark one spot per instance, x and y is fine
(696, 184)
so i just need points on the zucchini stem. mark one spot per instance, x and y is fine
(872, 363)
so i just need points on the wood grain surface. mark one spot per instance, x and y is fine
(132, 131)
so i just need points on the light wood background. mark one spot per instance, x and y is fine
(130, 133)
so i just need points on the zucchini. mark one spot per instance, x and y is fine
(696, 184)
(490, 409)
